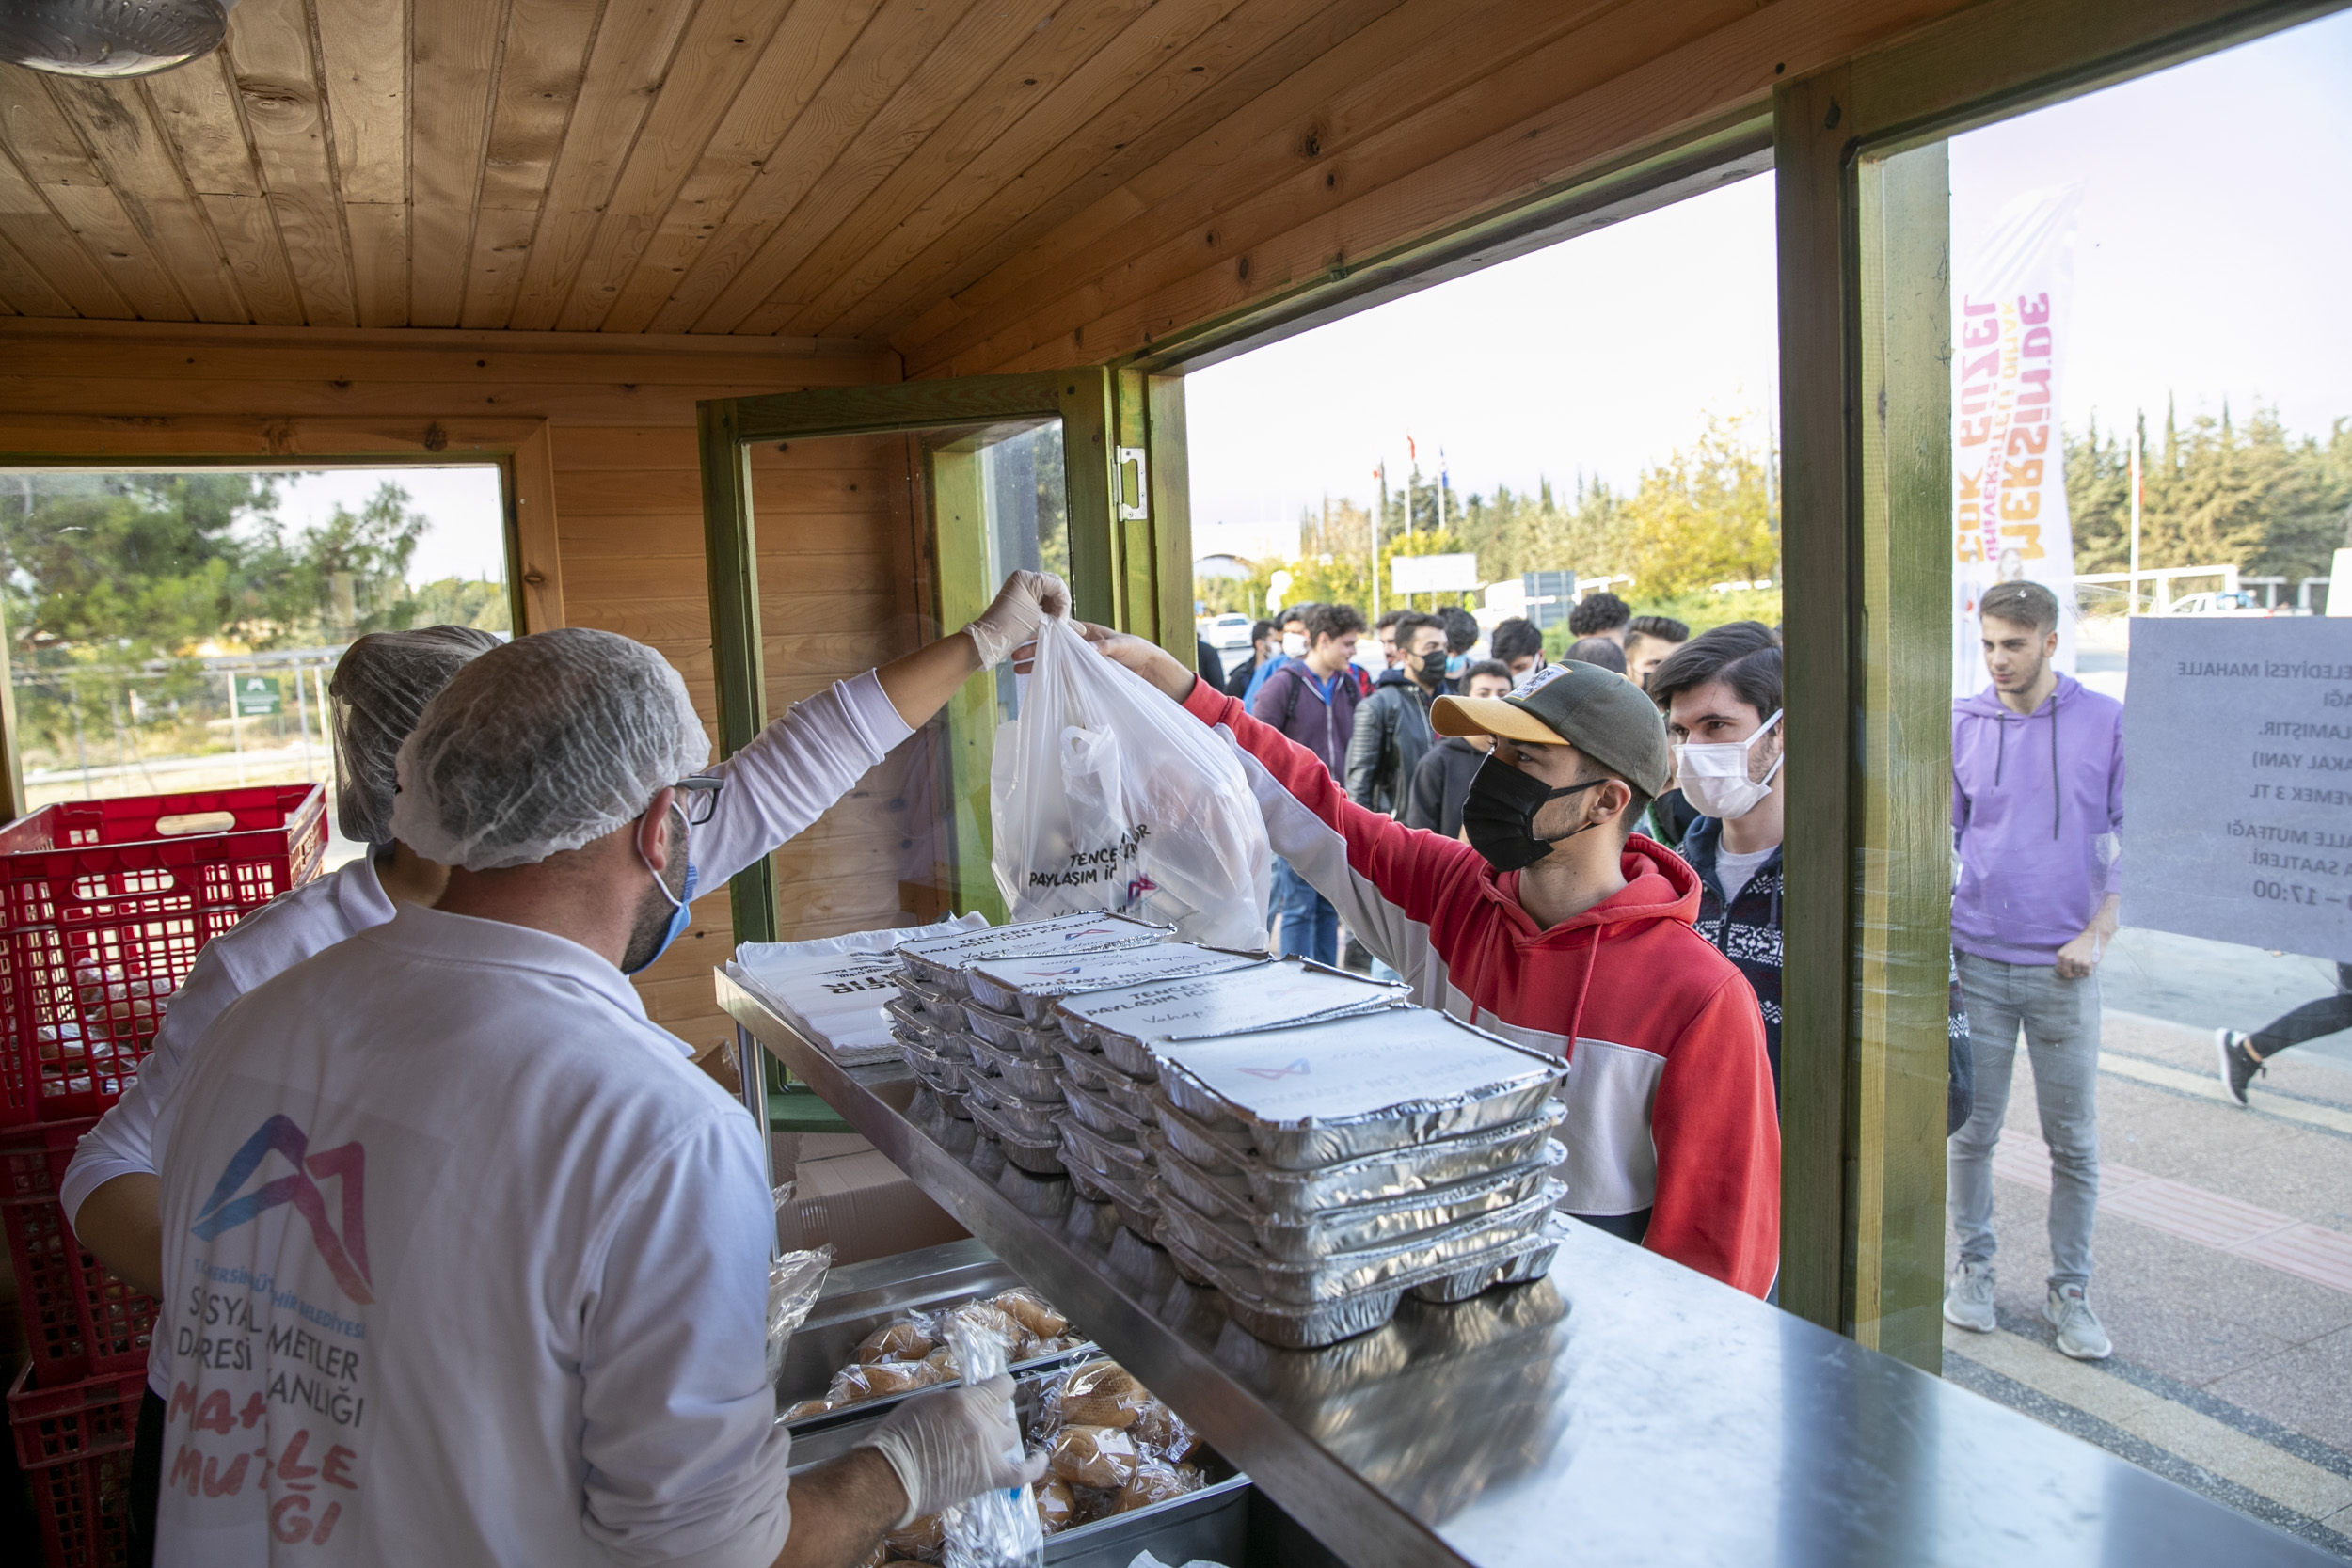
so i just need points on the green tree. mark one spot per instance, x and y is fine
(460, 602)
(347, 576)
(1704, 516)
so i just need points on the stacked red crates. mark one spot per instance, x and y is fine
(104, 906)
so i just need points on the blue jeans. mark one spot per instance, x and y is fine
(1309, 924)
(2060, 1021)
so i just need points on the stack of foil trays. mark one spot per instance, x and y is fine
(1108, 1066)
(1313, 1175)
(929, 1021)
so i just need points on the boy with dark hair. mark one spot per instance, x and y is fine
(1461, 630)
(1442, 780)
(1721, 694)
(1392, 724)
(1518, 646)
(1649, 639)
(2037, 823)
(1598, 651)
(1263, 647)
(1290, 644)
(1601, 615)
(1312, 701)
(1385, 630)
(1559, 927)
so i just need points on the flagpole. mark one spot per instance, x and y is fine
(2135, 438)
(1382, 473)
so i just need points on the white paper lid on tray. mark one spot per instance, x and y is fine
(1068, 973)
(1353, 1068)
(1266, 997)
(1068, 933)
(831, 988)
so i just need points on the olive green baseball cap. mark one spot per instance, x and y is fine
(1597, 711)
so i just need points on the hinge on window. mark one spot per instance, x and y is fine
(1134, 495)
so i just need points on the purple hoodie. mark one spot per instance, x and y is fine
(2037, 819)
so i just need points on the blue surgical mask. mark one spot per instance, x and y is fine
(681, 913)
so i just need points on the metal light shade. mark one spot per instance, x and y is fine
(109, 38)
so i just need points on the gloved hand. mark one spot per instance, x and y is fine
(1026, 599)
(950, 1445)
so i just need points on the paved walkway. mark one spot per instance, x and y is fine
(2223, 1251)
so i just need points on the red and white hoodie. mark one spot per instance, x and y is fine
(1672, 1134)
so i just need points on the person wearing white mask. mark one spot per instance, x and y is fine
(1721, 694)
(465, 1261)
(765, 794)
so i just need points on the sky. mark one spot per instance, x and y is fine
(465, 530)
(2215, 235)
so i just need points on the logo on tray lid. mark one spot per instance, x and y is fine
(1297, 1067)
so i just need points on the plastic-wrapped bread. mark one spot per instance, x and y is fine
(1162, 1434)
(986, 1316)
(856, 1385)
(902, 1341)
(1032, 1311)
(804, 1410)
(1056, 1505)
(1102, 1394)
(923, 1540)
(1100, 1457)
(1155, 1481)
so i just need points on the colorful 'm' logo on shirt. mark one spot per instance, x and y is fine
(345, 1254)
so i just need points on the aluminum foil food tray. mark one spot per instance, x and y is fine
(1028, 986)
(1341, 1275)
(1354, 1227)
(1038, 1081)
(1126, 1163)
(1123, 1023)
(1089, 1068)
(1301, 1099)
(1040, 1157)
(1298, 1196)
(1103, 1117)
(941, 961)
(929, 1003)
(1328, 1323)
(1007, 1033)
(1029, 1118)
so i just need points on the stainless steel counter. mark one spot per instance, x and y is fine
(1624, 1411)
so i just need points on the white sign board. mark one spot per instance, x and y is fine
(2237, 781)
(1432, 574)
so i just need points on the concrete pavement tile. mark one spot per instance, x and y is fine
(2235, 1456)
(2304, 1388)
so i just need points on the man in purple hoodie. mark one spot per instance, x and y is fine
(2036, 815)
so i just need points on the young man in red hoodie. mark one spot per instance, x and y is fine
(1559, 927)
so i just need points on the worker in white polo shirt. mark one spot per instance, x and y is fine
(463, 1260)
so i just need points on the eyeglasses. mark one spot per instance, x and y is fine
(699, 798)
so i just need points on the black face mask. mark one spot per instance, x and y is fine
(1498, 813)
(1427, 669)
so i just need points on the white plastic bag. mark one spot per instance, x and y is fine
(1000, 1529)
(1106, 795)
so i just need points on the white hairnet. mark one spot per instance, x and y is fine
(542, 745)
(380, 686)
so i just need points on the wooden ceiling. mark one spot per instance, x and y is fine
(981, 183)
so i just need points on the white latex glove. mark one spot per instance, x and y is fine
(1022, 604)
(950, 1445)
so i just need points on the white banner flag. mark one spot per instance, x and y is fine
(2013, 315)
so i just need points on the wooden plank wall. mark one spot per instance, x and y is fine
(619, 415)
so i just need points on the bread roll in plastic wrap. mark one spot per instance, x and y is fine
(1094, 1456)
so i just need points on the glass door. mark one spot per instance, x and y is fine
(846, 527)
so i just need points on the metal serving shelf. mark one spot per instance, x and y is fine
(1624, 1411)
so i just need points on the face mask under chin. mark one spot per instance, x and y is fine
(1498, 813)
(664, 912)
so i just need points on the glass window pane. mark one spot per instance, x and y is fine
(173, 632)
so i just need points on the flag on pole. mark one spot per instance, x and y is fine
(2013, 319)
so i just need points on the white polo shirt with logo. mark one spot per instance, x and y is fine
(464, 1263)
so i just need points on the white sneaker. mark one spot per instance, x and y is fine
(2068, 1310)
(1969, 1302)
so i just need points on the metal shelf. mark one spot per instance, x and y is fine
(1624, 1411)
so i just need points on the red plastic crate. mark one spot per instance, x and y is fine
(103, 905)
(80, 1320)
(33, 1158)
(74, 1441)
